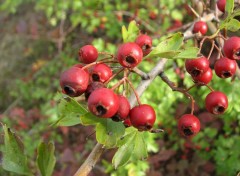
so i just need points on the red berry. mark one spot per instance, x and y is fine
(127, 123)
(225, 67)
(231, 48)
(145, 43)
(103, 102)
(201, 27)
(221, 5)
(74, 81)
(91, 87)
(142, 117)
(88, 54)
(101, 73)
(129, 55)
(188, 125)
(123, 110)
(216, 102)
(196, 67)
(204, 78)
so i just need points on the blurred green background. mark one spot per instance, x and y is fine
(39, 39)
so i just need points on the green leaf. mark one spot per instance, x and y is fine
(189, 53)
(90, 119)
(132, 146)
(131, 34)
(14, 159)
(69, 111)
(109, 132)
(169, 47)
(45, 158)
(233, 25)
(229, 6)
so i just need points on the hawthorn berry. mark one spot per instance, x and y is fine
(91, 87)
(225, 68)
(196, 67)
(103, 102)
(101, 73)
(123, 110)
(87, 54)
(127, 123)
(204, 78)
(142, 117)
(129, 55)
(145, 43)
(221, 5)
(74, 81)
(216, 102)
(201, 27)
(188, 125)
(231, 48)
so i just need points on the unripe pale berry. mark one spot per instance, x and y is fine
(225, 68)
(188, 125)
(145, 43)
(74, 81)
(103, 102)
(142, 117)
(88, 54)
(216, 102)
(231, 48)
(129, 55)
(201, 27)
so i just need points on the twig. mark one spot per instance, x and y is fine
(141, 73)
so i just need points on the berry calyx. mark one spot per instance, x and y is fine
(123, 110)
(204, 78)
(188, 125)
(74, 81)
(87, 54)
(231, 48)
(129, 55)
(196, 67)
(201, 27)
(92, 87)
(101, 73)
(225, 68)
(142, 117)
(221, 5)
(103, 102)
(145, 43)
(216, 102)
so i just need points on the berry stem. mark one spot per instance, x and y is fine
(118, 83)
(210, 88)
(126, 73)
(105, 53)
(212, 47)
(134, 91)
(119, 71)
(98, 62)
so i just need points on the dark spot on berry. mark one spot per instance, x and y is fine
(130, 60)
(101, 110)
(145, 47)
(219, 110)
(237, 53)
(69, 90)
(95, 77)
(226, 74)
(116, 118)
(195, 72)
(187, 131)
(148, 126)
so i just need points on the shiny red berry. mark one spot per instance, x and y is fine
(129, 55)
(103, 102)
(145, 43)
(188, 125)
(74, 81)
(225, 68)
(204, 78)
(231, 48)
(221, 5)
(92, 87)
(142, 117)
(196, 67)
(88, 54)
(101, 73)
(123, 110)
(201, 27)
(127, 123)
(216, 102)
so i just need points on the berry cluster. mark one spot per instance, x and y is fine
(91, 78)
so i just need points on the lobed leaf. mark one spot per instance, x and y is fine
(229, 6)
(130, 34)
